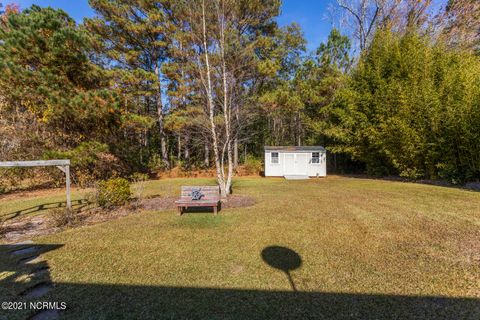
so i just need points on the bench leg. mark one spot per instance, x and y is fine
(180, 210)
(215, 210)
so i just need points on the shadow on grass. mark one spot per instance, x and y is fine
(202, 209)
(283, 259)
(436, 183)
(104, 301)
(76, 204)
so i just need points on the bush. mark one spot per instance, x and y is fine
(90, 161)
(113, 192)
(253, 166)
(138, 177)
(60, 217)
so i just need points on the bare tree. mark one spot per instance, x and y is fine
(362, 17)
(459, 24)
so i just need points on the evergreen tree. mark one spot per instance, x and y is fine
(49, 85)
(134, 36)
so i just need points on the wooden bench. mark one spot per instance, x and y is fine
(210, 198)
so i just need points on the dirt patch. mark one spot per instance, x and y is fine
(236, 201)
(167, 203)
(159, 203)
(41, 225)
(26, 228)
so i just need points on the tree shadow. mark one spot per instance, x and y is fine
(76, 204)
(436, 183)
(125, 301)
(283, 259)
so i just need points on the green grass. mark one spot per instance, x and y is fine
(21, 206)
(369, 249)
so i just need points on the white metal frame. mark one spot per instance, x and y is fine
(63, 165)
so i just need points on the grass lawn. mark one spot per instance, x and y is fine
(362, 249)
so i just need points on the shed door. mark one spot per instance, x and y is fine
(295, 164)
(301, 162)
(289, 164)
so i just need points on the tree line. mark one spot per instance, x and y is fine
(150, 85)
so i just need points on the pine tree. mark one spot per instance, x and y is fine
(134, 36)
(48, 83)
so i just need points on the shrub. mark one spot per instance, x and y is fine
(60, 217)
(253, 165)
(113, 192)
(90, 161)
(138, 177)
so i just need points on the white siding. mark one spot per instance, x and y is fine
(295, 163)
(273, 169)
(319, 169)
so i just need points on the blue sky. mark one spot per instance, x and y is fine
(309, 14)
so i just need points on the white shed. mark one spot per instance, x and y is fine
(295, 161)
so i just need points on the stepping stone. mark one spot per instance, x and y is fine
(27, 250)
(296, 177)
(46, 315)
(43, 268)
(23, 243)
(37, 290)
(39, 273)
(34, 260)
(31, 259)
(17, 245)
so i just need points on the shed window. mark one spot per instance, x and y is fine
(315, 157)
(274, 157)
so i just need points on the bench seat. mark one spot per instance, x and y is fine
(210, 198)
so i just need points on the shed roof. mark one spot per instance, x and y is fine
(293, 148)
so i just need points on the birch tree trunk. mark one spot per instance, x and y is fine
(211, 108)
(226, 105)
